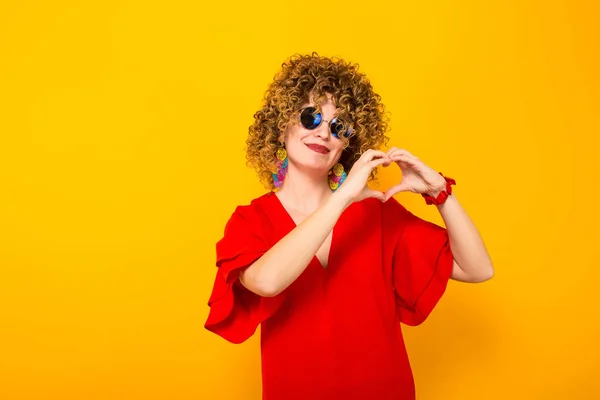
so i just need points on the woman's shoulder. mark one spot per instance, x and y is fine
(255, 209)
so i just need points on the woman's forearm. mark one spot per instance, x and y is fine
(472, 261)
(287, 259)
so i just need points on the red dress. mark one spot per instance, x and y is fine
(334, 333)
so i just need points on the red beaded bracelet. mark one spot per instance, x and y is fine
(443, 195)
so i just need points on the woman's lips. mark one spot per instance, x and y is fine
(318, 148)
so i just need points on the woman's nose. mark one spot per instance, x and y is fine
(323, 129)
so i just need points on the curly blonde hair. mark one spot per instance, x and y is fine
(302, 76)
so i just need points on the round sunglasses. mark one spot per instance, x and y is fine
(311, 121)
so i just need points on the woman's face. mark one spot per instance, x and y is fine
(315, 149)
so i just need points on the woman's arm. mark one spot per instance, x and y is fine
(472, 262)
(287, 259)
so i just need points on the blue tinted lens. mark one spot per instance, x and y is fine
(308, 120)
(337, 129)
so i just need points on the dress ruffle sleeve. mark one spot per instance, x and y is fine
(235, 312)
(422, 262)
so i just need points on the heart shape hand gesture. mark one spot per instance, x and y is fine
(417, 177)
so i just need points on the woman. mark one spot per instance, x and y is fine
(326, 265)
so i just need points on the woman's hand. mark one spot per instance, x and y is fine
(355, 186)
(416, 176)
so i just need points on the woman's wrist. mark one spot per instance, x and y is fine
(340, 200)
(439, 195)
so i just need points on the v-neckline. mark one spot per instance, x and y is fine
(292, 224)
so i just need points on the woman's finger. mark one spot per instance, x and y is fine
(378, 161)
(410, 154)
(401, 187)
(404, 158)
(376, 194)
(370, 154)
(391, 150)
(402, 152)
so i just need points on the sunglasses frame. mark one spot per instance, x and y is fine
(330, 123)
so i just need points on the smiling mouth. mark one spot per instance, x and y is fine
(318, 148)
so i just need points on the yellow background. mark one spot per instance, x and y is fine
(122, 130)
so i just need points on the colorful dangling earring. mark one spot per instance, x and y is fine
(282, 163)
(337, 176)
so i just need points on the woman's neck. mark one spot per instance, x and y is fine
(304, 192)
